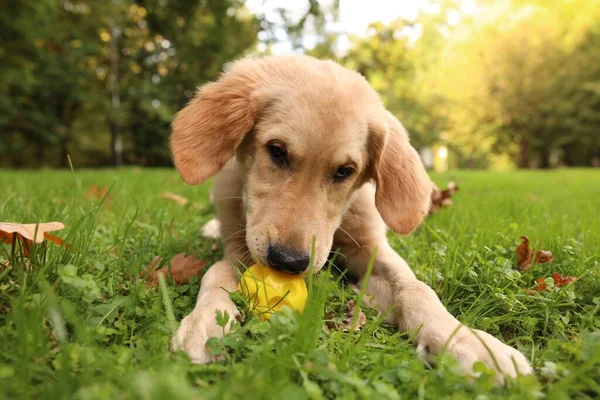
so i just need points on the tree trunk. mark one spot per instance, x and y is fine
(64, 152)
(524, 153)
(65, 137)
(40, 154)
(594, 157)
(545, 157)
(577, 155)
(115, 129)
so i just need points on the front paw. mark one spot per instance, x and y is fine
(198, 327)
(469, 346)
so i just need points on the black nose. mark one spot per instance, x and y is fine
(287, 260)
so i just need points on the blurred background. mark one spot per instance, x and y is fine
(496, 84)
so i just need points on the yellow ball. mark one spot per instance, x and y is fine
(266, 290)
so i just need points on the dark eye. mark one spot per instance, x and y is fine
(342, 173)
(278, 154)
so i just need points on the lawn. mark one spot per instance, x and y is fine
(77, 323)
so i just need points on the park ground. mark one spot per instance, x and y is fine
(78, 323)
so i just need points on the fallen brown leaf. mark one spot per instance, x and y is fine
(346, 324)
(543, 256)
(441, 198)
(181, 269)
(96, 192)
(527, 256)
(540, 285)
(28, 231)
(6, 238)
(532, 196)
(524, 254)
(559, 281)
(329, 320)
(178, 199)
(27, 234)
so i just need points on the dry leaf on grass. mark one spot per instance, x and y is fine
(532, 196)
(178, 199)
(182, 268)
(528, 256)
(29, 230)
(559, 281)
(27, 234)
(441, 198)
(346, 324)
(96, 192)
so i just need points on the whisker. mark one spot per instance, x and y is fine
(234, 259)
(233, 253)
(339, 254)
(350, 236)
(336, 267)
(232, 235)
(245, 257)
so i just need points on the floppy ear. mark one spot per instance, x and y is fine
(206, 133)
(403, 189)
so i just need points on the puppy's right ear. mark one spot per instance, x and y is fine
(206, 133)
(403, 189)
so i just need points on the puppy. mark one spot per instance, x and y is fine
(304, 148)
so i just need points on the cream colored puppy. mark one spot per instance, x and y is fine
(305, 148)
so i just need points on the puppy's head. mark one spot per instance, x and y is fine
(307, 134)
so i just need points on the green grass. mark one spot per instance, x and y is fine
(77, 324)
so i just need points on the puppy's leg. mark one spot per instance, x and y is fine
(410, 303)
(201, 324)
(414, 307)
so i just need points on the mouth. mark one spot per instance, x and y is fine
(276, 268)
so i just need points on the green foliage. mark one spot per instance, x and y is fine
(80, 324)
(57, 83)
(401, 68)
(520, 78)
(514, 77)
(44, 77)
(77, 74)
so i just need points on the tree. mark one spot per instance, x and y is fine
(522, 75)
(44, 78)
(134, 63)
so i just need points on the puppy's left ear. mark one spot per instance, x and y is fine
(403, 189)
(207, 132)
